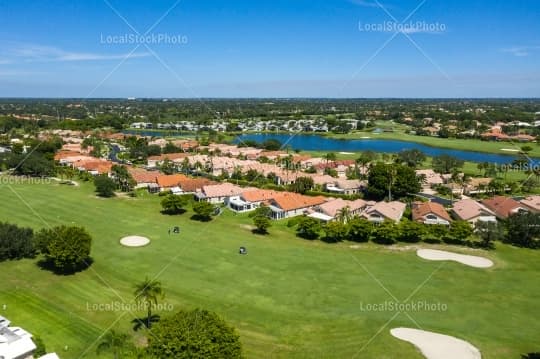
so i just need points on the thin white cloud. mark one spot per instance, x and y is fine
(36, 53)
(520, 51)
(366, 3)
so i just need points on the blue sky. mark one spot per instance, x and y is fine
(270, 48)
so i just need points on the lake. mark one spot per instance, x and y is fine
(321, 143)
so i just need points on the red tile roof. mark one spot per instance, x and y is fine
(502, 206)
(420, 210)
(289, 201)
(167, 181)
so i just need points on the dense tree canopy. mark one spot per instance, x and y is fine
(196, 334)
(105, 186)
(15, 242)
(66, 249)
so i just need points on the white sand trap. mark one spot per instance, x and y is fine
(509, 149)
(134, 241)
(346, 153)
(365, 137)
(437, 255)
(437, 346)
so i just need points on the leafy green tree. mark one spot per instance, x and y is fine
(105, 186)
(386, 232)
(262, 224)
(34, 164)
(122, 177)
(196, 334)
(302, 185)
(168, 167)
(40, 346)
(203, 210)
(359, 230)
(261, 219)
(15, 242)
(489, 232)
(406, 182)
(335, 231)
(114, 342)
(523, 229)
(147, 293)
(446, 164)
(66, 249)
(460, 230)
(412, 158)
(308, 227)
(411, 231)
(154, 150)
(438, 231)
(173, 204)
(392, 180)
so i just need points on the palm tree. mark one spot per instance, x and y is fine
(113, 341)
(147, 293)
(344, 214)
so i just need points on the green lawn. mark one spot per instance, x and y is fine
(450, 143)
(288, 297)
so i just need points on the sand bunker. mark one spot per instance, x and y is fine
(437, 346)
(437, 255)
(509, 149)
(346, 153)
(134, 241)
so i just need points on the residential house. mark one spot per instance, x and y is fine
(170, 182)
(194, 185)
(15, 342)
(345, 186)
(477, 185)
(142, 177)
(328, 211)
(531, 203)
(251, 199)
(471, 211)
(430, 213)
(289, 204)
(431, 178)
(155, 161)
(381, 211)
(218, 193)
(503, 206)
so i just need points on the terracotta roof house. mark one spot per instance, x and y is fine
(532, 203)
(193, 185)
(218, 193)
(331, 208)
(251, 199)
(382, 211)
(503, 206)
(471, 211)
(142, 177)
(168, 182)
(94, 166)
(289, 204)
(430, 213)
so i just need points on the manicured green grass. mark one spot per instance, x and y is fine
(450, 143)
(288, 297)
